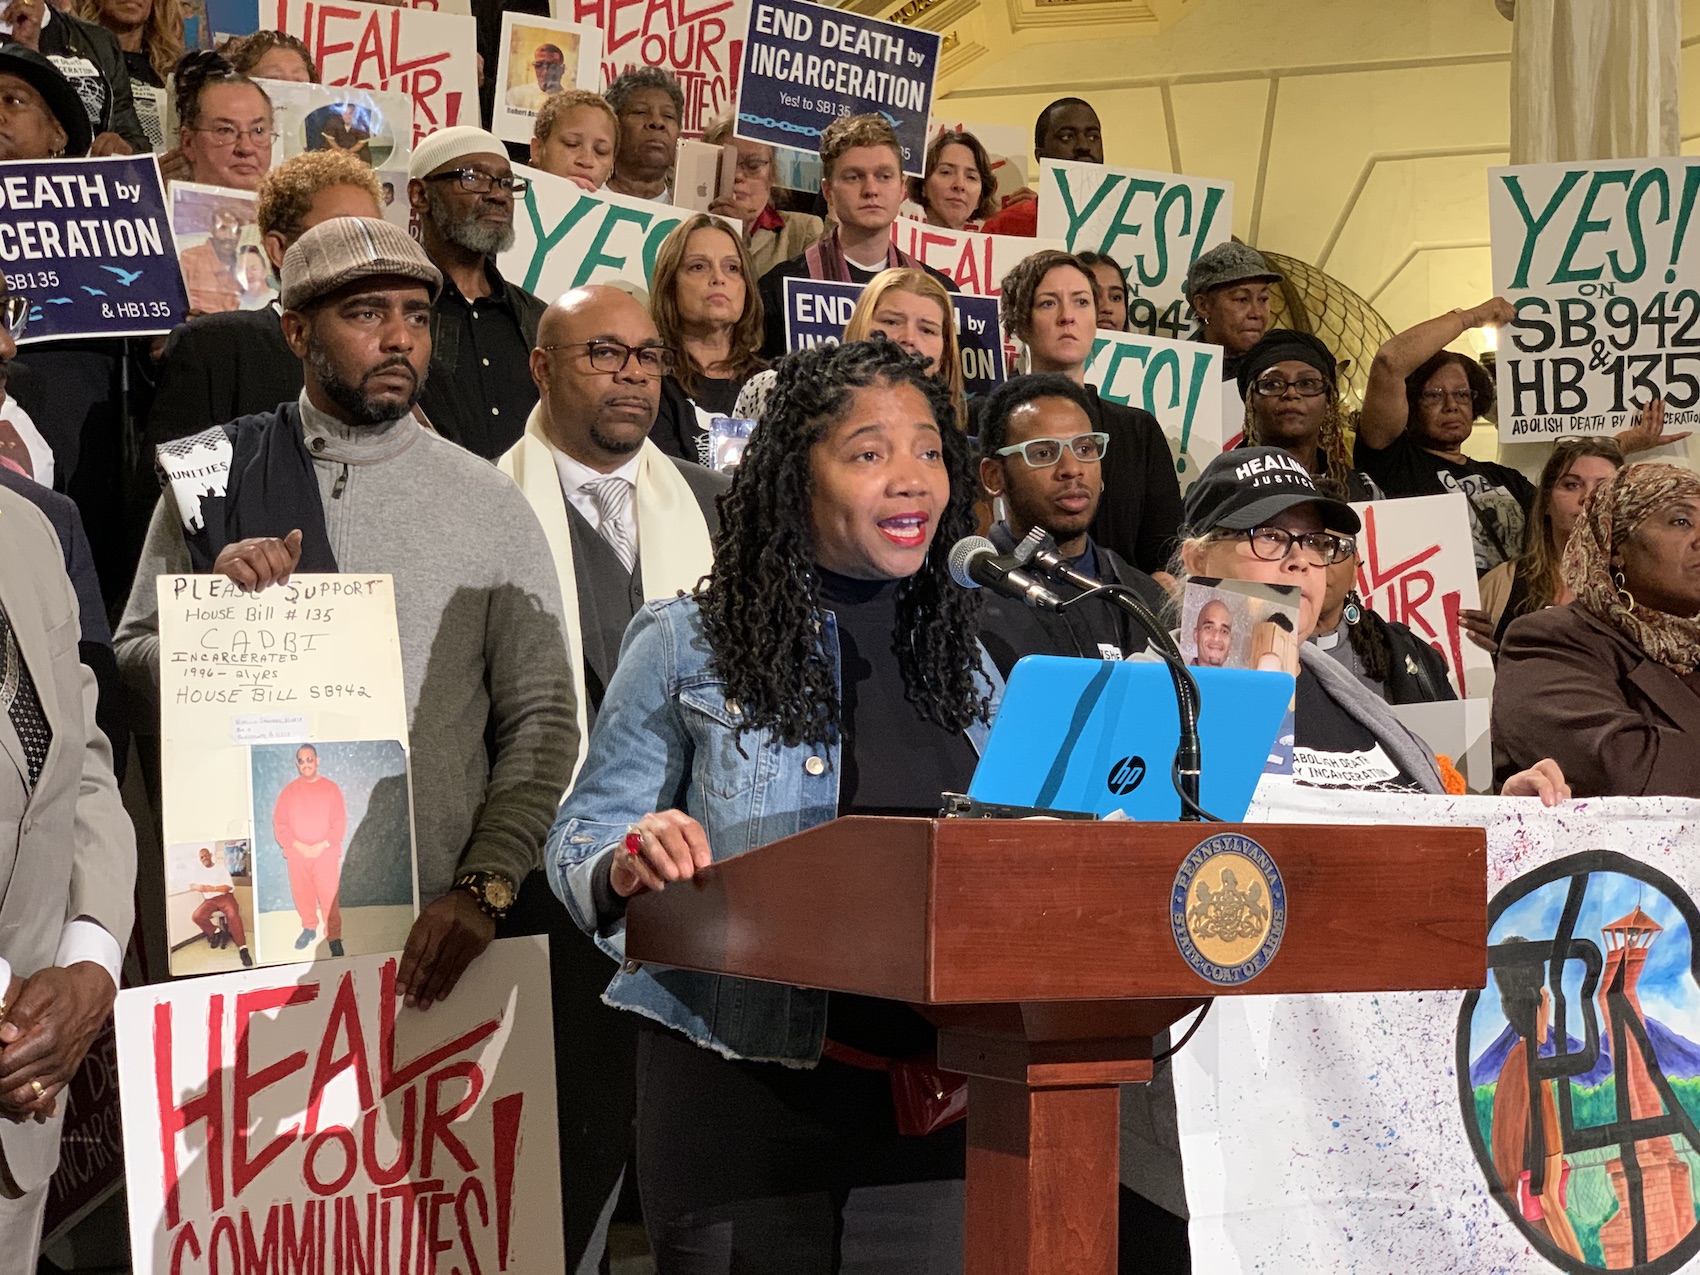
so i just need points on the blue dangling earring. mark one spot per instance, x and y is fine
(1353, 611)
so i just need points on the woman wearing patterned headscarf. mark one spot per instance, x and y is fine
(1607, 684)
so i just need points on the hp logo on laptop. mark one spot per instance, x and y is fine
(1126, 775)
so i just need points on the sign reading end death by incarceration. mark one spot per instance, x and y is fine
(806, 65)
(1601, 262)
(89, 243)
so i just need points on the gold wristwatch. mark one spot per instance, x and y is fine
(492, 891)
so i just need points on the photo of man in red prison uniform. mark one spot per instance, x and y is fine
(309, 821)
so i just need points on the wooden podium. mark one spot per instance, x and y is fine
(1047, 954)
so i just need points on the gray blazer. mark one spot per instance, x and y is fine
(67, 849)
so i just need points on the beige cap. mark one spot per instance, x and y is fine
(337, 252)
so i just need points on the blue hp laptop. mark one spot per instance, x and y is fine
(1099, 736)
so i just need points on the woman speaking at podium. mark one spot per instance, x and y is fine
(827, 667)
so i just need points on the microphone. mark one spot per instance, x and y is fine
(975, 563)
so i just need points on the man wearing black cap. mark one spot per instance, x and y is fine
(1290, 383)
(346, 478)
(1228, 289)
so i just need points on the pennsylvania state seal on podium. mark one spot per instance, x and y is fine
(1228, 909)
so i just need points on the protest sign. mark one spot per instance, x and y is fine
(566, 236)
(303, 1119)
(288, 817)
(700, 44)
(89, 243)
(1545, 1123)
(226, 18)
(1178, 382)
(1596, 258)
(973, 262)
(1153, 224)
(540, 56)
(430, 57)
(817, 310)
(374, 127)
(218, 245)
(91, 1143)
(806, 65)
(1416, 568)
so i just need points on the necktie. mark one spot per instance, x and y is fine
(613, 496)
(18, 697)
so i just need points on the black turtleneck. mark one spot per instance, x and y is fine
(894, 760)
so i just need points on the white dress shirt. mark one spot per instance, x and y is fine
(575, 477)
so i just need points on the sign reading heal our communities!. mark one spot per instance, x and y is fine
(806, 65)
(89, 242)
(1416, 568)
(699, 43)
(1154, 225)
(304, 1120)
(1548, 1122)
(973, 262)
(566, 236)
(432, 57)
(288, 813)
(1601, 261)
(817, 310)
(1178, 382)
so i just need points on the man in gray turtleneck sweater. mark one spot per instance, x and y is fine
(491, 714)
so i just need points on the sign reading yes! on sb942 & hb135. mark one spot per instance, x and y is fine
(1599, 260)
(806, 65)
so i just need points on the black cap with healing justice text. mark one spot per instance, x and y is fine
(1246, 487)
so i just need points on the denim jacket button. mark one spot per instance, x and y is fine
(815, 766)
(732, 709)
(631, 967)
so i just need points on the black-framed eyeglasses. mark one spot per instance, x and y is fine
(1323, 548)
(15, 315)
(1277, 386)
(475, 182)
(226, 135)
(1042, 453)
(613, 357)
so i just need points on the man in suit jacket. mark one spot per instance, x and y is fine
(626, 524)
(67, 863)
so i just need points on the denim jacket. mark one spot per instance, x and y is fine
(665, 739)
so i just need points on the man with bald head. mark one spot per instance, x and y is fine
(1213, 634)
(627, 524)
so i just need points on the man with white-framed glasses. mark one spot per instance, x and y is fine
(1042, 459)
(462, 188)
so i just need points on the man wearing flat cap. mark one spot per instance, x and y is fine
(462, 189)
(1229, 291)
(346, 478)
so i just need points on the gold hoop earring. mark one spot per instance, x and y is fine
(1623, 593)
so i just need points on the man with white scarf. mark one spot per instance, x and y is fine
(626, 524)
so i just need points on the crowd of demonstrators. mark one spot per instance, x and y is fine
(1291, 385)
(1609, 682)
(649, 105)
(1049, 302)
(272, 55)
(462, 187)
(862, 182)
(770, 234)
(1228, 289)
(1112, 290)
(626, 525)
(957, 188)
(706, 308)
(1066, 129)
(575, 136)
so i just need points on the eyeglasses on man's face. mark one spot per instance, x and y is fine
(1042, 453)
(612, 357)
(477, 182)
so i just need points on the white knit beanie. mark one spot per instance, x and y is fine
(448, 144)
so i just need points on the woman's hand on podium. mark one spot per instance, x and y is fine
(665, 846)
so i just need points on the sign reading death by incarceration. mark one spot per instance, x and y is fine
(817, 311)
(1178, 382)
(1153, 224)
(700, 43)
(430, 56)
(303, 1119)
(806, 65)
(566, 236)
(89, 242)
(1601, 262)
(973, 262)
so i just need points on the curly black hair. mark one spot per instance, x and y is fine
(762, 601)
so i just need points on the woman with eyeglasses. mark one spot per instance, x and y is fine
(1290, 383)
(771, 236)
(225, 130)
(706, 309)
(1257, 514)
(1049, 303)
